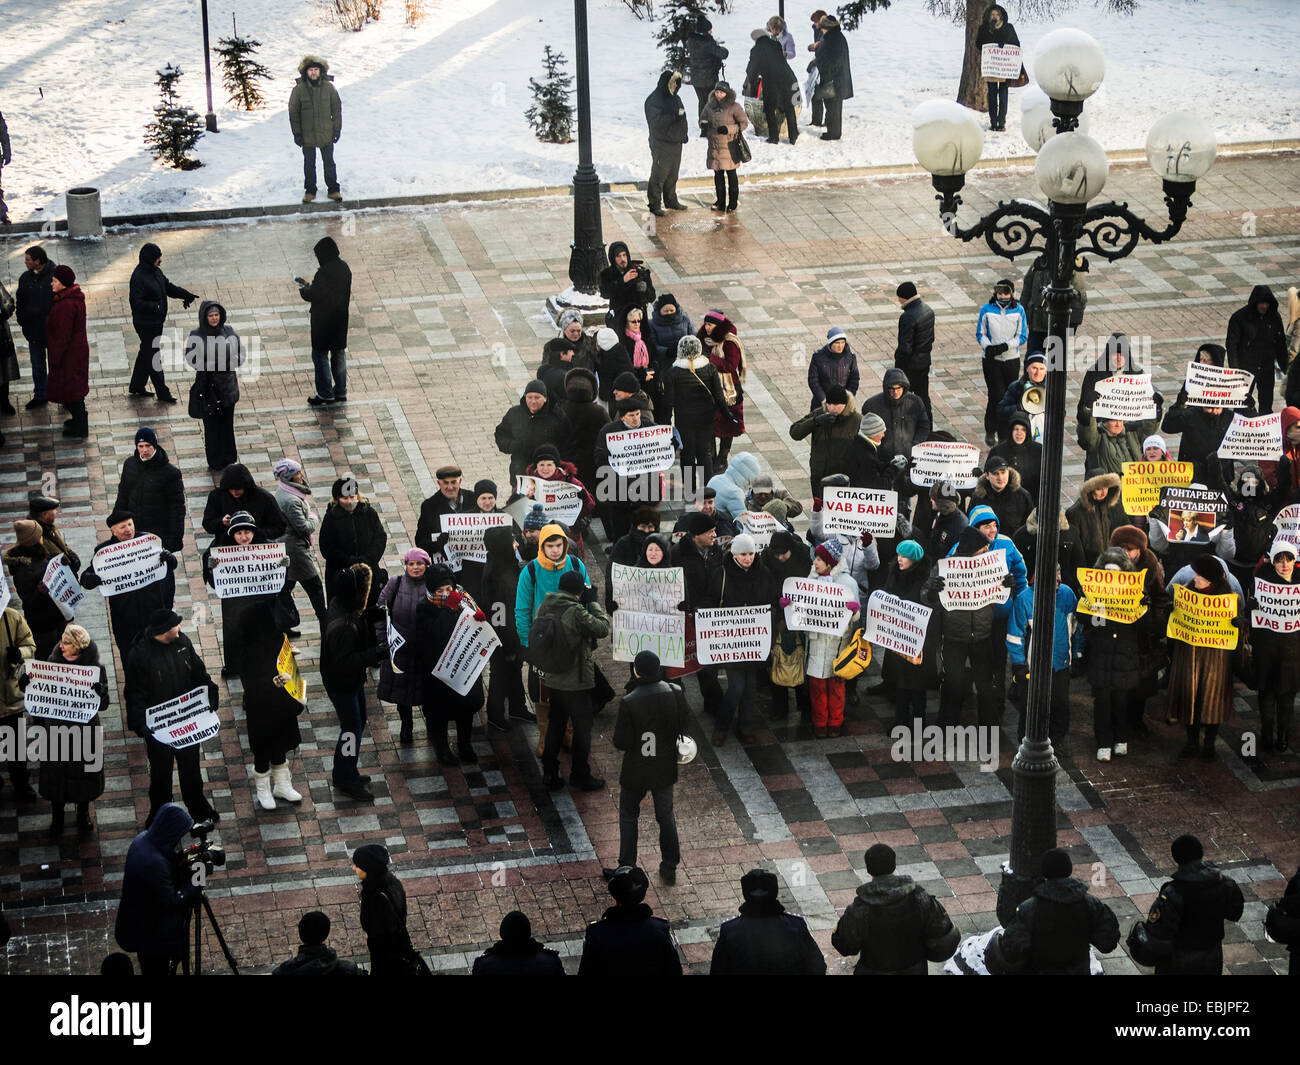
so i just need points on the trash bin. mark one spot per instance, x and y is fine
(84, 221)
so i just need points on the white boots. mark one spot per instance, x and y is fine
(274, 784)
(284, 788)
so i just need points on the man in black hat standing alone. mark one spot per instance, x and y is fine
(629, 940)
(1053, 928)
(765, 940)
(915, 341)
(651, 716)
(161, 665)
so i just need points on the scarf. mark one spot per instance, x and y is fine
(640, 353)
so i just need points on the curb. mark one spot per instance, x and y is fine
(897, 170)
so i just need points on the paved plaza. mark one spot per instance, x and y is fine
(447, 327)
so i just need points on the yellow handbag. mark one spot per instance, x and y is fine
(853, 659)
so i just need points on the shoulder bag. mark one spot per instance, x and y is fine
(739, 147)
(204, 401)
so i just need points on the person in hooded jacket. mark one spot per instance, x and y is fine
(505, 694)
(667, 324)
(383, 915)
(1110, 443)
(765, 940)
(1001, 329)
(669, 126)
(215, 355)
(942, 532)
(1249, 531)
(1116, 358)
(625, 282)
(1022, 453)
(435, 619)
(1054, 929)
(316, 121)
(557, 361)
(1276, 654)
(868, 462)
(586, 418)
(531, 422)
(732, 483)
(894, 925)
(270, 712)
(999, 488)
(151, 488)
(26, 563)
(329, 293)
(293, 496)
(723, 119)
(834, 363)
(1256, 342)
(352, 531)
(148, 294)
(129, 612)
(968, 638)
(1069, 554)
(67, 350)
(314, 958)
(694, 396)
(400, 599)
(910, 679)
(235, 492)
(832, 426)
(995, 28)
(1201, 678)
(834, 76)
(151, 920)
(915, 341)
(71, 780)
(768, 66)
(1184, 927)
(722, 345)
(906, 420)
(1097, 512)
(628, 940)
(517, 953)
(705, 57)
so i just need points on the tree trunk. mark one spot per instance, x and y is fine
(973, 92)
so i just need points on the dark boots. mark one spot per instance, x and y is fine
(441, 747)
(465, 749)
(407, 733)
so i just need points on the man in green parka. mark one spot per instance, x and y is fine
(316, 118)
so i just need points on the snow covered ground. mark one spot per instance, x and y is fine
(440, 108)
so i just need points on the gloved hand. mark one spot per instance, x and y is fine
(454, 599)
(374, 615)
(903, 528)
(994, 350)
(866, 537)
(612, 606)
(336, 139)
(23, 681)
(899, 462)
(590, 595)
(1077, 667)
(977, 472)
(298, 141)
(480, 616)
(785, 601)
(685, 607)
(853, 605)
(300, 281)
(167, 559)
(720, 130)
(187, 299)
(937, 583)
(1236, 622)
(91, 580)
(99, 688)
(824, 418)
(13, 655)
(1008, 581)
(6, 160)
(1252, 602)
(817, 504)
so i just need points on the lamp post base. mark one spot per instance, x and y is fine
(590, 305)
(210, 121)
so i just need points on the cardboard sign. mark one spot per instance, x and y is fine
(1112, 594)
(560, 500)
(1128, 397)
(1196, 500)
(936, 461)
(1217, 386)
(62, 587)
(129, 564)
(1203, 620)
(1000, 62)
(816, 606)
(464, 532)
(633, 451)
(692, 662)
(466, 654)
(760, 525)
(184, 721)
(733, 634)
(248, 569)
(287, 662)
(652, 591)
(1141, 483)
(1253, 439)
(970, 583)
(850, 510)
(634, 631)
(62, 691)
(1278, 608)
(896, 624)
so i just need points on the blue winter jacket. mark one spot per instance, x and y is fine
(1002, 325)
(539, 579)
(151, 915)
(1015, 560)
(1067, 639)
(732, 484)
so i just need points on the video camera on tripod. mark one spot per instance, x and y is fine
(205, 853)
(208, 855)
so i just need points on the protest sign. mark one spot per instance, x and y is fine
(63, 691)
(733, 634)
(396, 641)
(126, 565)
(1128, 397)
(633, 451)
(816, 605)
(1288, 523)
(896, 624)
(560, 500)
(1195, 500)
(1277, 607)
(1203, 620)
(1000, 62)
(465, 531)
(287, 662)
(1253, 439)
(651, 591)
(466, 654)
(1141, 483)
(935, 461)
(62, 587)
(183, 721)
(248, 569)
(974, 581)
(760, 525)
(635, 631)
(691, 663)
(1217, 386)
(850, 510)
(1193, 514)
(1114, 595)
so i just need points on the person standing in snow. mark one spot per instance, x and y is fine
(834, 76)
(995, 29)
(665, 114)
(316, 118)
(705, 57)
(5, 156)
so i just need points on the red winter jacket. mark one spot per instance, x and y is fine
(67, 348)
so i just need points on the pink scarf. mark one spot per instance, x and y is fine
(640, 353)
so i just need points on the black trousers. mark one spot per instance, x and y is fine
(1058, 725)
(697, 453)
(219, 439)
(726, 184)
(962, 663)
(629, 815)
(834, 118)
(148, 360)
(1264, 383)
(775, 107)
(566, 706)
(186, 761)
(665, 164)
(999, 375)
(1109, 716)
(505, 686)
(920, 384)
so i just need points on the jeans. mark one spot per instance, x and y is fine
(776, 107)
(742, 687)
(665, 163)
(350, 709)
(962, 662)
(36, 347)
(186, 760)
(997, 104)
(629, 813)
(309, 168)
(999, 375)
(697, 454)
(834, 119)
(146, 369)
(726, 184)
(219, 439)
(332, 373)
(566, 705)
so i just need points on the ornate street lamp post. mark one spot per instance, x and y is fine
(1071, 170)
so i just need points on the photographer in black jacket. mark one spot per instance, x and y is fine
(151, 916)
(625, 282)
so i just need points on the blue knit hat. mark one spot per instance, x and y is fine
(979, 515)
(910, 549)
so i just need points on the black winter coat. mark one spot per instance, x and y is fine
(1113, 653)
(832, 434)
(129, 611)
(909, 584)
(1069, 553)
(1202, 433)
(868, 465)
(316, 961)
(907, 422)
(346, 537)
(530, 959)
(150, 288)
(156, 672)
(428, 531)
(704, 59)
(1053, 929)
(1012, 505)
(35, 297)
(767, 62)
(348, 647)
(1026, 459)
(695, 571)
(915, 336)
(1257, 342)
(216, 354)
(257, 501)
(329, 294)
(521, 432)
(694, 392)
(729, 585)
(151, 915)
(895, 926)
(621, 294)
(766, 941)
(270, 712)
(825, 368)
(650, 706)
(154, 492)
(1276, 655)
(71, 781)
(665, 114)
(1189, 914)
(433, 628)
(500, 583)
(26, 566)
(834, 77)
(629, 941)
(383, 919)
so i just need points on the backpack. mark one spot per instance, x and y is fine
(549, 649)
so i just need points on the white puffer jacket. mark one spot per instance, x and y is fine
(823, 649)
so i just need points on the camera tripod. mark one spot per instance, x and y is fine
(194, 920)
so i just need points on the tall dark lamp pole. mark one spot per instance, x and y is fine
(1071, 170)
(210, 119)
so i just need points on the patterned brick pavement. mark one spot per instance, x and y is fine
(447, 326)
